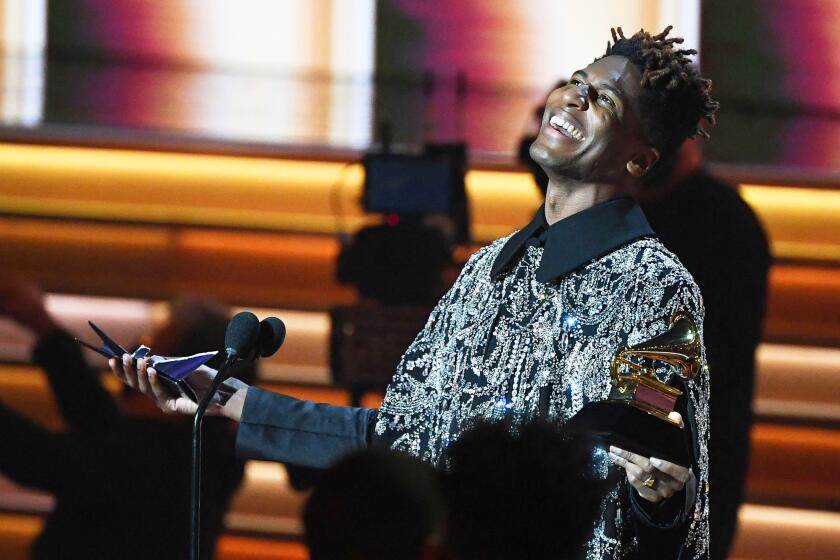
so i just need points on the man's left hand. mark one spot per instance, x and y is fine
(654, 479)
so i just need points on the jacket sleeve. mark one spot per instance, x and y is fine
(678, 527)
(661, 528)
(276, 427)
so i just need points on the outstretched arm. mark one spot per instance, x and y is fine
(272, 426)
(83, 401)
(85, 404)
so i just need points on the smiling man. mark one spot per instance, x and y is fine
(533, 321)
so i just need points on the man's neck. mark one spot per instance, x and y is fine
(565, 197)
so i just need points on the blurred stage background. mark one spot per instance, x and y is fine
(154, 148)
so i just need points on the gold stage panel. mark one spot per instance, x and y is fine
(309, 196)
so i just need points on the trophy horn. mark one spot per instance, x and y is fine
(628, 417)
(679, 345)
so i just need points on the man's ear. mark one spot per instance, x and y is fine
(643, 162)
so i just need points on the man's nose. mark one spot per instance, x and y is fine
(577, 96)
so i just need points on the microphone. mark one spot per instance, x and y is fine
(242, 334)
(271, 337)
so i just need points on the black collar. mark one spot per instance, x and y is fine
(577, 239)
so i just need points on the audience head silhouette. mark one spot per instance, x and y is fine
(521, 492)
(376, 504)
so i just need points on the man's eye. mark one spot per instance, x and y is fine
(575, 82)
(606, 99)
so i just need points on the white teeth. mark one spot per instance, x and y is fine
(558, 122)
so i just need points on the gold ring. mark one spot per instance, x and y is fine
(649, 481)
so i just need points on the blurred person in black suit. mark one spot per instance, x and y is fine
(721, 242)
(118, 459)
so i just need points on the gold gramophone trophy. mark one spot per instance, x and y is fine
(635, 416)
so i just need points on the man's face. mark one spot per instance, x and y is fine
(591, 128)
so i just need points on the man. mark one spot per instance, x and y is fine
(729, 259)
(532, 323)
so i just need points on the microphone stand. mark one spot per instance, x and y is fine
(198, 422)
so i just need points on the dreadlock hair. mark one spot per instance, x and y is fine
(675, 98)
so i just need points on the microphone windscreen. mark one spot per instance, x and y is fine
(272, 336)
(242, 333)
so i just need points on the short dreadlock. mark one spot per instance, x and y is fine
(675, 98)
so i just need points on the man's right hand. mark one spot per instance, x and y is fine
(145, 380)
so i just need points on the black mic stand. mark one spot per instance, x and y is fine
(244, 332)
(198, 422)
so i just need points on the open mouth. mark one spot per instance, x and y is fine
(565, 127)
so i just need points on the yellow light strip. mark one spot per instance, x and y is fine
(802, 222)
(317, 197)
(20, 528)
(790, 533)
(191, 189)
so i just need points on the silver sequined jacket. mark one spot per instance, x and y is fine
(495, 345)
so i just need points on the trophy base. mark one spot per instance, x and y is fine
(625, 426)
